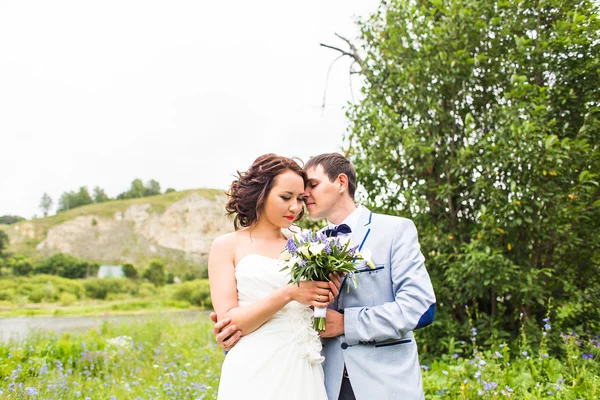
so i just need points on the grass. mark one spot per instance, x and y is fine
(152, 359)
(177, 359)
(127, 306)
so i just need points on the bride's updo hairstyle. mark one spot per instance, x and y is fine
(250, 190)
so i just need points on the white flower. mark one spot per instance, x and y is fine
(366, 255)
(120, 341)
(304, 250)
(316, 248)
(285, 256)
(293, 261)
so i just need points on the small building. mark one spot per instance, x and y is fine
(111, 271)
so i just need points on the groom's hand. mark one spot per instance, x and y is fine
(335, 324)
(226, 336)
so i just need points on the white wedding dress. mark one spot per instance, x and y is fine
(281, 359)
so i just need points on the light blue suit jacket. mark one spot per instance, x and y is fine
(378, 347)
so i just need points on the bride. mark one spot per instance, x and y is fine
(278, 354)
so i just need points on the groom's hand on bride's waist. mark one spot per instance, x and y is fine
(226, 335)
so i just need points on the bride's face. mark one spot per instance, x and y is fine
(284, 202)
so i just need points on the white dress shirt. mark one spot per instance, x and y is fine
(351, 220)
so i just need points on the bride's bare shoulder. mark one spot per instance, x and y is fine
(229, 240)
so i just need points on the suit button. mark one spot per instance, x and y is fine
(344, 345)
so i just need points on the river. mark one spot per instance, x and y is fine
(19, 328)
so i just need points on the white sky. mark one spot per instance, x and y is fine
(183, 92)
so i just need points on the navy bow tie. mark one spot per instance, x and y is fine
(342, 228)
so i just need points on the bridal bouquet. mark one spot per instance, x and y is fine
(312, 256)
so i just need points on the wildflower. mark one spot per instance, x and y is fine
(498, 355)
(424, 367)
(455, 355)
(291, 246)
(525, 353)
(547, 327)
(444, 372)
(31, 391)
(477, 374)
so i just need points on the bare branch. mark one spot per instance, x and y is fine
(355, 54)
(345, 53)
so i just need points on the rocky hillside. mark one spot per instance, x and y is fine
(178, 226)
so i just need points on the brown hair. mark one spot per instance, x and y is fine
(248, 193)
(333, 165)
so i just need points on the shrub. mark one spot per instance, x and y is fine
(195, 292)
(99, 288)
(156, 273)
(67, 299)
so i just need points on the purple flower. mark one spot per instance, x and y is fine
(31, 391)
(327, 248)
(291, 246)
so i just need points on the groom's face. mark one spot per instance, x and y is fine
(321, 193)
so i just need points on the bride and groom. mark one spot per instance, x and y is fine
(368, 349)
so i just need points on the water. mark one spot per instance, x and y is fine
(19, 328)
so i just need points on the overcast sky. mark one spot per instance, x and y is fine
(183, 92)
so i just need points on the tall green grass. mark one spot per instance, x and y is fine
(154, 359)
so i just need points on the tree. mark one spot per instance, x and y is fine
(480, 121)
(10, 219)
(69, 200)
(170, 190)
(152, 188)
(130, 271)
(66, 266)
(46, 204)
(99, 195)
(3, 241)
(155, 273)
(20, 264)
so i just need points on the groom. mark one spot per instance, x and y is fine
(369, 347)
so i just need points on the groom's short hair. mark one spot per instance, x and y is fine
(333, 165)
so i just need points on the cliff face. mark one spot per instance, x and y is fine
(132, 231)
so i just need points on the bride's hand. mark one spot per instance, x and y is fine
(315, 294)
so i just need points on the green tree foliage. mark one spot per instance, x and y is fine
(480, 120)
(155, 273)
(100, 196)
(138, 189)
(170, 190)
(69, 200)
(66, 266)
(10, 219)
(46, 204)
(20, 265)
(130, 271)
(3, 241)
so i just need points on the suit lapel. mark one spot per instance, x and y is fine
(359, 237)
(363, 229)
